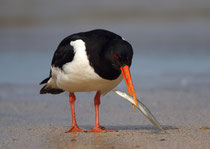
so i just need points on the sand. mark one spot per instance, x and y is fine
(29, 120)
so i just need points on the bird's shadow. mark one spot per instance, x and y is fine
(151, 128)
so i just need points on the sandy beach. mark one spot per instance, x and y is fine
(170, 72)
(30, 120)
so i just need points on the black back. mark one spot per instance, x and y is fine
(63, 54)
(96, 42)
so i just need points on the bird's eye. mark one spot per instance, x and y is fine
(116, 56)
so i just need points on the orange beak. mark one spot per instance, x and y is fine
(125, 70)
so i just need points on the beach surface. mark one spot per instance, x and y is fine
(170, 72)
(30, 120)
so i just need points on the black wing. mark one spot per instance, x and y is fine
(63, 54)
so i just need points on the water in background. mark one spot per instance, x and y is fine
(171, 39)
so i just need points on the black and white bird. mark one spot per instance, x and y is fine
(96, 60)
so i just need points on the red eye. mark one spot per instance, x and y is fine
(116, 56)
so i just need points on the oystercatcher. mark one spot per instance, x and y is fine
(96, 60)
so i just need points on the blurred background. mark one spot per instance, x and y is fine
(170, 38)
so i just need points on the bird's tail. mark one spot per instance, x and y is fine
(48, 88)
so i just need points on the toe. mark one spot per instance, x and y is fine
(74, 129)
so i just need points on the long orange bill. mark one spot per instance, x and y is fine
(125, 70)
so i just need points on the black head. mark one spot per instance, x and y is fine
(119, 53)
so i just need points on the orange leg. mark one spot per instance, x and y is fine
(74, 127)
(97, 127)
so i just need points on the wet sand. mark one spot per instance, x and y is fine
(30, 120)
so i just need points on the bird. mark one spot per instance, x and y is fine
(95, 60)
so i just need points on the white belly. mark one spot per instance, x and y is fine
(82, 80)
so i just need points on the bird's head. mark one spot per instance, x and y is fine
(120, 54)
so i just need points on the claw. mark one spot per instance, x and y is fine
(100, 129)
(74, 128)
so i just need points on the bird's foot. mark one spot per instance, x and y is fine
(74, 128)
(100, 129)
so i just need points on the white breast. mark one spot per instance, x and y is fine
(79, 76)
